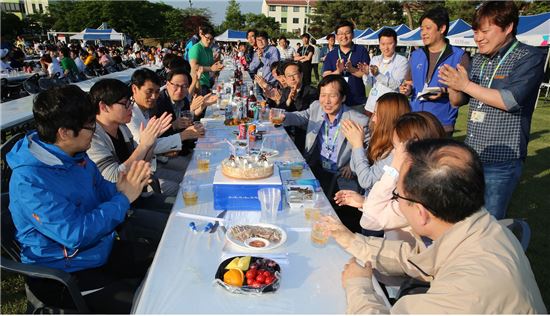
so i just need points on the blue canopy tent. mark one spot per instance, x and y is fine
(99, 35)
(372, 38)
(532, 30)
(366, 32)
(356, 34)
(413, 38)
(231, 36)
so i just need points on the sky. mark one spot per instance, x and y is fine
(217, 7)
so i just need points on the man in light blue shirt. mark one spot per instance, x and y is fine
(386, 71)
(264, 56)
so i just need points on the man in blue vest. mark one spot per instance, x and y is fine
(422, 83)
(344, 61)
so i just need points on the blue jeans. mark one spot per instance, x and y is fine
(501, 179)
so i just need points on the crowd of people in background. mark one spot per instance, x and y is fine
(410, 200)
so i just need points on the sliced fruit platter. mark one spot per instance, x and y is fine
(249, 275)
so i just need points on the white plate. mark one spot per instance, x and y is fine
(270, 153)
(244, 244)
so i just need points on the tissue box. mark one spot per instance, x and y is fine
(242, 195)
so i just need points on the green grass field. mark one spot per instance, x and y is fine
(530, 201)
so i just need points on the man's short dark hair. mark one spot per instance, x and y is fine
(292, 63)
(344, 23)
(342, 84)
(179, 71)
(64, 51)
(62, 107)
(173, 61)
(439, 16)
(143, 75)
(252, 31)
(274, 65)
(206, 29)
(388, 32)
(331, 35)
(500, 13)
(262, 34)
(446, 176)
(306, 35)
(282, 38)
(109, 91)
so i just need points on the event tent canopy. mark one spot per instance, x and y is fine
(372, 38)
(532, 30)
(413, 38)
(231, 36)
(356, 34)
(99, 35)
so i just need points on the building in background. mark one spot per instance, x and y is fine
(22, 8)
(291, 14)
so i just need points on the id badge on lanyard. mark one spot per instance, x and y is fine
(328, 164)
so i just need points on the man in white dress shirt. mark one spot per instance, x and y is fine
(386, 71)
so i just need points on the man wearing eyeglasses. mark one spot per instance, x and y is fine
(66, 213)
(201, 55)
(345, 61)
(474, 265)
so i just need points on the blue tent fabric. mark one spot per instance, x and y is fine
(366, 32)
(400, 29)
(90, 34)
(231, 36)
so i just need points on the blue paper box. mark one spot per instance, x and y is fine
(242, 195)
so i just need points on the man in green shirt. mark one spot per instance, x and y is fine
(67, 63)
(201, 56)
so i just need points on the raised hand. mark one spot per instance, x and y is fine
(155, 127)
(341, 234)
(349, 197)
(354, 133)
(132, 182)
(406, 87)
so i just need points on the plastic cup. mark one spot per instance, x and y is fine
(319, 232)
(269, 202)
(203, 161)
(296, 170)
(277, 116)
(312, 208)
(190, 192)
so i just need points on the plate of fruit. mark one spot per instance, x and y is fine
(249, 275)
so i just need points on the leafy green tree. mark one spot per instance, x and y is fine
(234, 19)
(533, 7)
(11, 25)
(262, 22)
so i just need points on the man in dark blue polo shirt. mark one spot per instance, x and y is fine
(343, 61)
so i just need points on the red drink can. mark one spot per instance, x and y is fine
(252, 132)
(242, 131)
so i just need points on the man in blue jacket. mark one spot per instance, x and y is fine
(424, 70)
(66, 213)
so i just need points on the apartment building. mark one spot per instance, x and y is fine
(22, 8)
(291, 14)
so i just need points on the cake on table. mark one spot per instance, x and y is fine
(248, 167)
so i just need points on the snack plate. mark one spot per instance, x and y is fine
(245, 289)
(296, 196)
(268, 152)
(251, 243)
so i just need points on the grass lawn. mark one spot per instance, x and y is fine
(530, 201)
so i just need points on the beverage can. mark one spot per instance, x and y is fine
(252, 132)
(242, 131)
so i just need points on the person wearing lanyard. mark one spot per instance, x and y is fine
(502, 86)
(326, 149)
(345, 62)
(387, 71)
(304, 55)
(424, 70)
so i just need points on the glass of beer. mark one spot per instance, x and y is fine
(203, 160)
(296, 169)
(319, 232)
(277, 116)
(190, 192)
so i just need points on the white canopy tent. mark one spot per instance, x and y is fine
(231, 36)
(99, 35)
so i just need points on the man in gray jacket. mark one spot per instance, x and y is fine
(326, 149)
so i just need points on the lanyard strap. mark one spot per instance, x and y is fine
(304, 50)
(350, 53)
(497, 67)
(330, 147)
(436, 62)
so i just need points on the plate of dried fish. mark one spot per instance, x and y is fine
(256, 236)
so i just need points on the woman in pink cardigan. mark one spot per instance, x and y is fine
(380, 209)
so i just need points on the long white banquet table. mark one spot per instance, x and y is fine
(181, 277)
(20, 110)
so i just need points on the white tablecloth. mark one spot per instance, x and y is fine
(181, 278)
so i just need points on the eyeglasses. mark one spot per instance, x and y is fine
(177, 86)
(126, 105)
(396, 196)
(90, 128)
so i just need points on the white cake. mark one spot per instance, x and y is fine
(248, 167)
